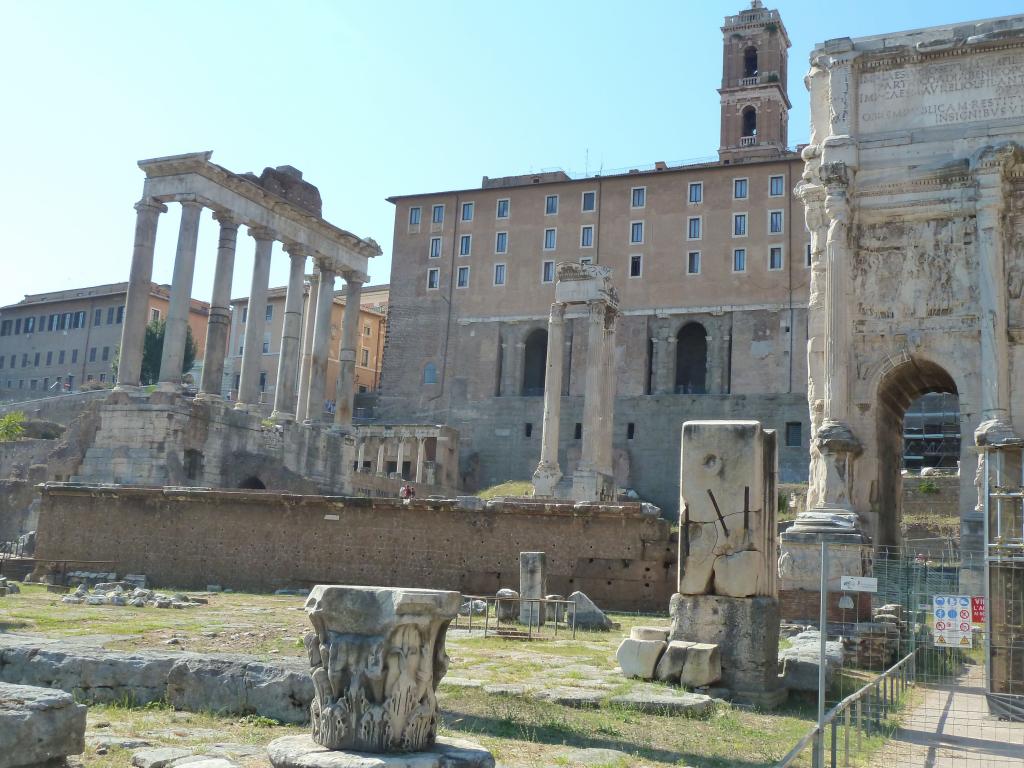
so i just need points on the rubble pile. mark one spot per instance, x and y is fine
(116, 594)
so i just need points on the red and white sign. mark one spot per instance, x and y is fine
(978, 610)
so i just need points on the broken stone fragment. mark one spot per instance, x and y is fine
(639, 658)
(670, 667)
(702, 665)
(649, 633)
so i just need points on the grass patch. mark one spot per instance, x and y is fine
(508, 488)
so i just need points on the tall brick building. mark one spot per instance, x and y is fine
(710, 262)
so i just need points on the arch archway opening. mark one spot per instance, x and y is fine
(535, 362)
(918, 424)
(749, 121)
(691, 360)
(252, 483)
(750, 62)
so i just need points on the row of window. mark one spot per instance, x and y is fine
(588, 200)
(65, 384)
(694, 231)
(61, 358)
(794, 429)
(269, 313)
(60, 321)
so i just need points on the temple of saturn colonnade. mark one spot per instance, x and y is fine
(589, 285)
(278, 206)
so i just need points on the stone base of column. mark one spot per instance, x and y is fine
(592, 485)
(545, 479)
(168, 387)
(240, 406)
(206, 397)
(280, 417)
(131, 389)
(303, 752)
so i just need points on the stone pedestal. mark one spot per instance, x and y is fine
(39, 725)
(746, 631)
(377, 657)
(533, 584)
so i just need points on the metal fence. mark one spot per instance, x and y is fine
(517, 618)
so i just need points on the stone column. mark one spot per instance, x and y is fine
(360, 453)
(140, 280)
(321, 340)
(218, 327)
(508, 384)
(663, 366)
(421, 455)
(533, 583)
(548, 473)
(288, 362)
(592, 401)
(176, 327)
(381, 466)
(256, 322)
(307, 345)
(345, 389)
(608, 395)
(401, 457)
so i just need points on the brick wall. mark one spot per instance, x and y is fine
(622, 558)
(804, 606)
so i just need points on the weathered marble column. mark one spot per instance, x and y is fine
(306, 363)
(321, 340)
(176, 327)
(400, 458)
(288, 362)
(592, 400)
(381, 466)
(345, 389)
(606, 453)
(256, 322)
(140, 279)
(533, 584)
(548, 473)
(218, 327)
(663, 364)
(421, 456)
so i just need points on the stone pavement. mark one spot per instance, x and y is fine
(951, 728)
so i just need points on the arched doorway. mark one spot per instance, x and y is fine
(691, 360)
(252, 483)
(898, 390)
(535, 362)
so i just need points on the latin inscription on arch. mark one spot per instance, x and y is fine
(946, 92)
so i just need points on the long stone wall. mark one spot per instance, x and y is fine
(621, 556)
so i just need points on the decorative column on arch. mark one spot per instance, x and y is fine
(381, 466)
(421, 457)
(360, 453)
(256, 320)
(548, 474)
(179, 304)
(219, 325)
(306, 363)
(401, 457)
(345, 388)
(140, 280)
(321, 341)
(288, 361)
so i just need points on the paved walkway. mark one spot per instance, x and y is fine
(951, 728)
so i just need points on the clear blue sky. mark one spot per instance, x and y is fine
(367, 99)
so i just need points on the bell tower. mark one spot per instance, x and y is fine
(755, 105)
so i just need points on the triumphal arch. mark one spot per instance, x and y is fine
(914, 195)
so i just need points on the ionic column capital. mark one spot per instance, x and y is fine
(262, 233)
(226, 220)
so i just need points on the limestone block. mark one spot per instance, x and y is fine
(554, 612)
(739, 574)
(649, 633)
(380, 658)
(639, 658)
(159, 757)
(663, 702)
(670, 667)
(800, 662)
(38, 725)
(702, 665)
(588, 615)
(303, 752)
(507, 609)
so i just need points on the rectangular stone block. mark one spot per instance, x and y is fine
(38, 725)
(639, 658)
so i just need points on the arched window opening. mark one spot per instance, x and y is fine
(691, 360)
(430, 374)
(749, 121)
(750, 62)
(535, 362)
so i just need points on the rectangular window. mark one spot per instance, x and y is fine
(739, 189)
(636, 232)
(693, 228)
(462, 278)
(245, 314)
(60, 357)
(437, 214)
(92, 355)
(17, 326)
(154, 315)
(502, 211)
(97, 317)
(501, 242)
(41, 326)
(549, 239)
(739, 225)
(433, 279)
(24, 360)
(794, 434)
(414, 216)
(110, 317)
(807, 259)
(80, 319)
(589, 201)
(36, 363)
(693, 263)
(739, 260)
(2, 359)
(587, 237)
(120, 314)
(775, 222)
(636, 265)
(465, 245)
(696, 192)
(106, 354)
(775, 257)
(366, 356)
(49, 358)
(586, 261)
(103, 377)
(467, 211)
(263, 381)
(74, 355)
(435, 250)
(266, 344)
(270, 312)
(547, 272)
(777, 186)
(499, 274)
(551, 205)
(30, 324)
(5, 328)
(638, 197)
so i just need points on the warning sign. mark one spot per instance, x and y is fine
(951, 619)
(978, 610)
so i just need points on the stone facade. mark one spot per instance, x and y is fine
(621, 556)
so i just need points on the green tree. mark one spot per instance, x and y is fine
(153, 348)
(12, 426)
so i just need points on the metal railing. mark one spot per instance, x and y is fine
(866, 711)
(502, 616)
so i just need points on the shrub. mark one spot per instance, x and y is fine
(12, 426)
